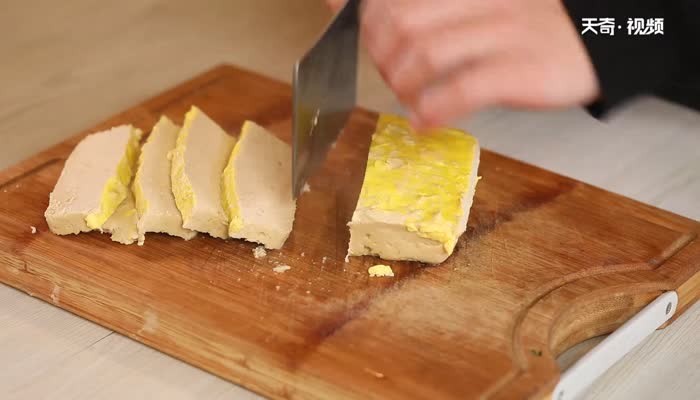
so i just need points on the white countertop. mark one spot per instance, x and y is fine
(67, 65)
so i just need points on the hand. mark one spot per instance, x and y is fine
(335, 5)
(446, 59)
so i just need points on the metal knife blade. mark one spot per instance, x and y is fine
(324, 93)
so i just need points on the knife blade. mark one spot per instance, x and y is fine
(324, 93)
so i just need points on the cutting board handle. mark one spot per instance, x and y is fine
(594, 363)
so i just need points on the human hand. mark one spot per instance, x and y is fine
(335, 5)
(446, 59)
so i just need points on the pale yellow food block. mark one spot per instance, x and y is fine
(198, 161)
(94, 182)
(257, 191)
(417, 192)
(123, 223)
(380, 270)
(155, 203)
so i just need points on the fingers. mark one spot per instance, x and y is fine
(448, 58)
(421, 15)
(484, 84)
(391, 26)
(426, 60)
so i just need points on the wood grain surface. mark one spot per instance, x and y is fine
(547, 262)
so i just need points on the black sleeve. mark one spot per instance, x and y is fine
(628, 65)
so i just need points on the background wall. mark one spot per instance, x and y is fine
(66, 65)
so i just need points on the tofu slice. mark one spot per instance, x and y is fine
(94, 181)
(257, 191)
(155, 203)
(123, 223)
(417, 192)
(198, 161)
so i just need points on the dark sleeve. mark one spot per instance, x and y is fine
(627, 65)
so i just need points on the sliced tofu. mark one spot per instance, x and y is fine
(257, 188)
(417, 192)
(155, 203)
(94, 181)
(123, 223)
(198, 161)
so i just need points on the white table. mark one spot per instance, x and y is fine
(67, 65)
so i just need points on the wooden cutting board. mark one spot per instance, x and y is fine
(545, 263)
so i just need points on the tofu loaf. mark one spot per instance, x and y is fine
(257, 192)
(94, 182)
(417, 192)
(198, 161)
(155, 203)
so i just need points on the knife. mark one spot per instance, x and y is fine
(324, 93)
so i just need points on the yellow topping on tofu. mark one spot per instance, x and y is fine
(117, 187)
(420, 175)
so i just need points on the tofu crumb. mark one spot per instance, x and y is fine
(380, 270)
(277, 287)
(306, 188)
(259, 252)
(302, 254)
(324, 260)
(308, 292)
(33, 230)
(281, 268)
(347, 257)
(374, 373)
